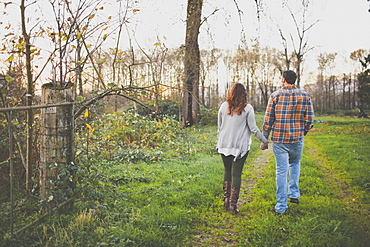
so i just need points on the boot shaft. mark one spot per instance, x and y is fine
(234, 196)
(227, 190)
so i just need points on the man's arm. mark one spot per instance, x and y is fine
(309, 116)
(269, 118)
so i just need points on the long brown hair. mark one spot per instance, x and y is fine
(237, 99)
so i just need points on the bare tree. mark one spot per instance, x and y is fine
(299, 41)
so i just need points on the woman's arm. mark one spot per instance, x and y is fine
(253, 126)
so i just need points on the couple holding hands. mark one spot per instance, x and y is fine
(288, 117)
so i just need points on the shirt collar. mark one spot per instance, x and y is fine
(290, 86)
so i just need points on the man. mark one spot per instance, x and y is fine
(289, 114)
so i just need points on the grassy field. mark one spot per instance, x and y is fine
(150, 183)
(334, 208)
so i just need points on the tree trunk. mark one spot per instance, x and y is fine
(29, 98)
(298, 71)
(349, 93)
(192, 63)
(344, 93)
(56, 145)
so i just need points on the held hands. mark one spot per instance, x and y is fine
(306, 131)
(263, 146)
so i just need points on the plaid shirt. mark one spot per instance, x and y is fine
(289, 114)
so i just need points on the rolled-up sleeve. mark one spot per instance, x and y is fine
(269, 117)
(309, 115)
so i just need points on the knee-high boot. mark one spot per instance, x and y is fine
(227, 188)
(234, 196)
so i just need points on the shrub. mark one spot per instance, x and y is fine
(208, 116)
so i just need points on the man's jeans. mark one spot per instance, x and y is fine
(287, 158)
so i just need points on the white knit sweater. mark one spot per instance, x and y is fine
(234, 132)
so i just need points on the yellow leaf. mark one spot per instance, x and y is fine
(158, 44)
(92, 16)
(110, 17)
(86, 114)
(23, 44)
(9, 79)
(10, 58)
(120, 53)
(89, 127)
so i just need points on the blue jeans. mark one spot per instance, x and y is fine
(287, 158)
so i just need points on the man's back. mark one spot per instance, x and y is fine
(289, 113)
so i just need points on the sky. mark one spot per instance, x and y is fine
(342, 25)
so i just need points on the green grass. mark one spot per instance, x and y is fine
(333, 210)
(346, 142)
(169, 194)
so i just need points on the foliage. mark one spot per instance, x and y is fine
(129, 137)
(166, 108)
(363, 90)
(364, 87)
(208, 116)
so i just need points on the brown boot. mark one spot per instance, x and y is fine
(234, 196)
(227, 188)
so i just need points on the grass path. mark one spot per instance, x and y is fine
(358, 212)
(224, 223)
(337, 216)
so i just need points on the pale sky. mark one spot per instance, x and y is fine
(342, 24)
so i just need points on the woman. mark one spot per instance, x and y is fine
(236, 123)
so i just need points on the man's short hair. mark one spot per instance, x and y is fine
(290, 76)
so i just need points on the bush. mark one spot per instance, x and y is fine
(167, 108)
(208, 116)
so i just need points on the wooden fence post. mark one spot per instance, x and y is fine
(56, 145)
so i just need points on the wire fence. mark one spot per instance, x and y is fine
(9, 111)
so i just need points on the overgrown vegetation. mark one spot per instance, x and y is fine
(147, 182)
(140, 182)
